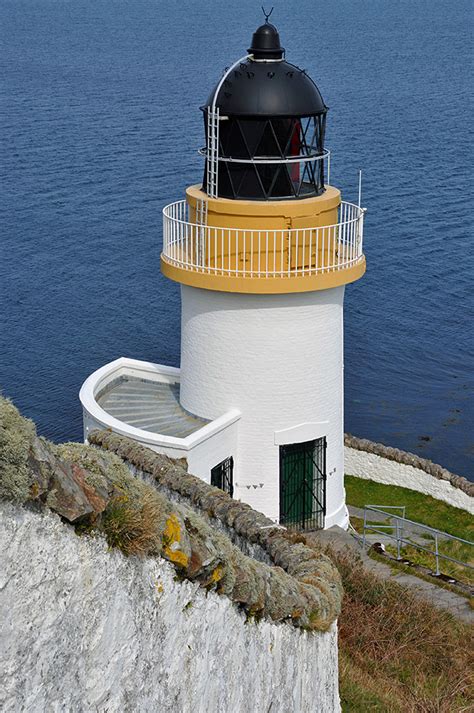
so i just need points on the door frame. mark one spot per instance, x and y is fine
(311, 496)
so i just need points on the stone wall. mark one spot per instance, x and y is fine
(392, 466)
(84, 628)
(319, 590)
(119, 595)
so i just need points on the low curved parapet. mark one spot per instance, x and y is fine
(392, 466)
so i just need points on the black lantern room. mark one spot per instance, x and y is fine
(265, 125)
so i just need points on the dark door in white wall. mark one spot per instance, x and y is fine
(303, 484)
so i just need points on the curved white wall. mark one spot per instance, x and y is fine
(374, 467)
(278, 359)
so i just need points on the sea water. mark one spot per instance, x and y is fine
(100, 120)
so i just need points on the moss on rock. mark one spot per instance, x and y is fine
(16, 436)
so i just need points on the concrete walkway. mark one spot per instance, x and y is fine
(455, 604)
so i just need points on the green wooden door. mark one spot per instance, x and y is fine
(303, 484)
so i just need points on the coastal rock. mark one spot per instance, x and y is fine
(65, 496)
(66, 488)
(41, 464)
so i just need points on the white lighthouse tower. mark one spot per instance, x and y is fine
(263, 250)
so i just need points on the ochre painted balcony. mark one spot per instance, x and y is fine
(202, 250)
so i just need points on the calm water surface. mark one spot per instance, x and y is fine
(100, 126)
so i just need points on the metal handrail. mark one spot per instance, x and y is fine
(400, 521)
(320, 156)
(245, 252)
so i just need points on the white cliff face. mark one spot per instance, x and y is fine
(87, 629)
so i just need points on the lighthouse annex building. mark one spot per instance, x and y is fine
(263, 249)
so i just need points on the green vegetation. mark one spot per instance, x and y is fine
(408, 658)
(135, 515)
(419, 507)
(358, 525)
(397, 653)
(408, 569)
(16, 433)
(426, 510)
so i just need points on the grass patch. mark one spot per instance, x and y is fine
(419, 507)
(133, 526)
(358, 525)
(361, 693)
(399, 653)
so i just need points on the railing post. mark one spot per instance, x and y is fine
(365, 524)
(437, 555)
(398, 538)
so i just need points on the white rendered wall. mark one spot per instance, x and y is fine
(203, 449)
(206, 454)
(84, 629)
(278, 359)
(200, 457)
(389, 472)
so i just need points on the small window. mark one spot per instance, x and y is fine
(222, 476)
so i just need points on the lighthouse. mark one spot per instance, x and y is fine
(262, 248)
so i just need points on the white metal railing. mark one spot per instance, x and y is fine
(401, 524)
(191, 245)
(270, 160)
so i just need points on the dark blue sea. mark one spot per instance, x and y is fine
(100, 127)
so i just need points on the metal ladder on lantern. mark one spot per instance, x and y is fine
(212, 166)
(212, 150)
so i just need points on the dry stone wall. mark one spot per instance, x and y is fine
(319, 585)
(392, 466)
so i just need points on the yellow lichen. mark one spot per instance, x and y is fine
(171, 541)
(217, 573)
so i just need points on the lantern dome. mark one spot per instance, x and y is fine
(266, 43)
(268, 85)
(265, 124)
